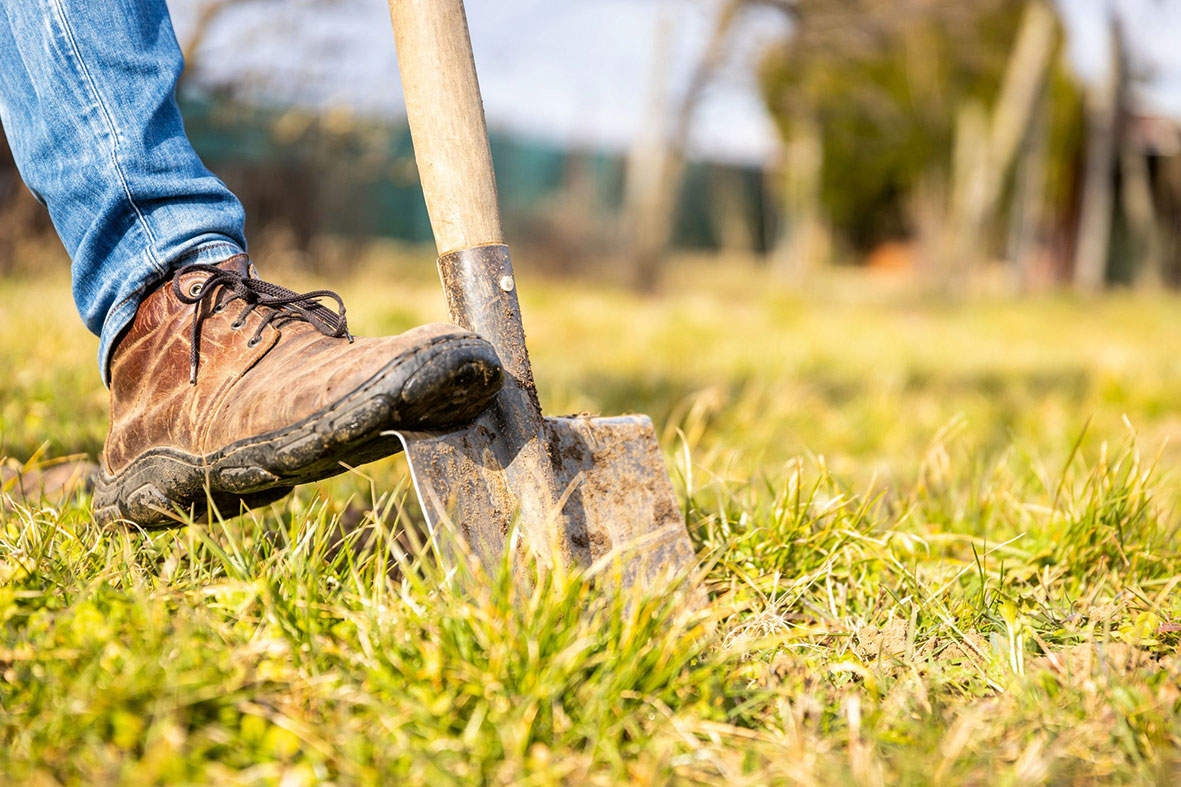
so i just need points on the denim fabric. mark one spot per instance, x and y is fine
(87, 98)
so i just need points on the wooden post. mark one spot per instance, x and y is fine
(1103, 107)
(986, 147)
(1027, 222)
(1140, 208)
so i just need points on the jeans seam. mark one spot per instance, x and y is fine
(112, 132)
(202, 249)
(138, 291)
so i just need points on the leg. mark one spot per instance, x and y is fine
(225, 389)
(87, 99)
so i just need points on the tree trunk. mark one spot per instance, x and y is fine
(731, 211)
(1027, 224)
(987, 147)
(656, 163)
(1139, 207)
(804, 241)
(1102, 110)
(645, 203)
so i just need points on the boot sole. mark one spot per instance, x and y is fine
(444, 383)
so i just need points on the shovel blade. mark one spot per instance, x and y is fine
(615, 502)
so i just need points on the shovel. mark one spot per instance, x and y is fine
(582, 490)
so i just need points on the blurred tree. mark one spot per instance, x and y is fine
(656, 162)
(1139, 205)
(988, 143)
(1105, 104)
(891, 86)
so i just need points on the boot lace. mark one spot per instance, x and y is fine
(283, 306)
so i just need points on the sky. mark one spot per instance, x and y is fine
(584, 72)
(1154, 39)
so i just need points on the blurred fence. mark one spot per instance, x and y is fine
(311, 175)
(303, 176)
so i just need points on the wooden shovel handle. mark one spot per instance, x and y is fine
(447, 122)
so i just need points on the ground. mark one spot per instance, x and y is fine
(940, 542)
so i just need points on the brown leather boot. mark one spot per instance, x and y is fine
(231, 389)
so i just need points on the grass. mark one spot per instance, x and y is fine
(940, 543)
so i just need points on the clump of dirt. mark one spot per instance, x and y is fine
(872, 642)
(949, 650)
(1089, 658)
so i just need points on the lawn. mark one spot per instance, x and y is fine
(940, 542)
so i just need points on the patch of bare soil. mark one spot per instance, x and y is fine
(50, 482)
(1090, 658)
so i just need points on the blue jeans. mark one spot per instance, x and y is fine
(87, 98)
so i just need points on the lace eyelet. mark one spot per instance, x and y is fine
(236, 325)
(219, 308)
(196, 288)
(257, 340)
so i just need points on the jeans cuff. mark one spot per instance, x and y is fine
(120, 317)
